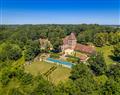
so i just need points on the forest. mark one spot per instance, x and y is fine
(22, 41)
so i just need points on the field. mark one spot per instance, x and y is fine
(107, 52)
(59, 74)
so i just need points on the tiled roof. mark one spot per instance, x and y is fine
(70, 37)
(84, 48)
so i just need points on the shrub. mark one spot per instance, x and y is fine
(73, 59)
(55, 55)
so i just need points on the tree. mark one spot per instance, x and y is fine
(15, 91)
(43, 33)
(10, 51)
(100, 39)
(97, 64)
(89, 35)
(43, 87)
(83, 79)
(113, 38)
(26, 79)
(81, 38)
(67, 88)
(56, 42)
(80, 70)
(32, 50)
(116, 51)
(111, 87)
(4, 78)
(114, 72)
(87, 86)
(3, 55)
(14, 53)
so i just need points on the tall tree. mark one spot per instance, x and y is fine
(116, 51)
(97, 64)
(10, 51)
(113, 38)
(100, 39)
(32, 50)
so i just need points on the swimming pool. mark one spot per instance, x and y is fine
(66, 64)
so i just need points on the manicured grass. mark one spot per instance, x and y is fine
(59, 74)
(38, 67)
(107, 52)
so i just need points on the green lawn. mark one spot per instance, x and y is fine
(107, 52)
(59, 74)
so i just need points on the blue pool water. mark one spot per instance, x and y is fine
(67, 64)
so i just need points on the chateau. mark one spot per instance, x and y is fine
(70, 45)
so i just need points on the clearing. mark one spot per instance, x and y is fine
(57, 75)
